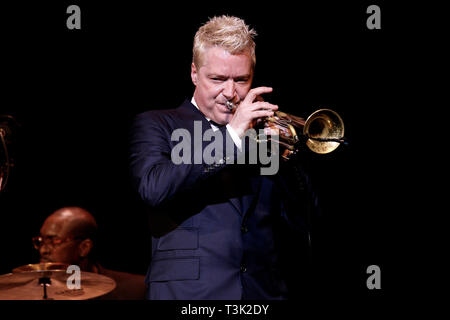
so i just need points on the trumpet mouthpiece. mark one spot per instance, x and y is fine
(230, 105)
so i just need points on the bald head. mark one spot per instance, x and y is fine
(77, 227)
(73, 221)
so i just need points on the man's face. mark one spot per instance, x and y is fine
(223, 76)
(58, 245)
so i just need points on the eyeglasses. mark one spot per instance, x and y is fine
(51, 241)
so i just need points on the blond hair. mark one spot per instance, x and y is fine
(229, 33)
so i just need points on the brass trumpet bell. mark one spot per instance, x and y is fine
(322, 132)
(324, 129)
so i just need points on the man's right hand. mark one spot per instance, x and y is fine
(250, 110)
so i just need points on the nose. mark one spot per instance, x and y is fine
(44, 250)
(229, 89)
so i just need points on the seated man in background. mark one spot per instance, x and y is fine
(68, 236)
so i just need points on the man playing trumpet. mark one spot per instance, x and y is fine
(217, 230)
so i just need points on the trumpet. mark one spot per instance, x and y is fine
(322, 131)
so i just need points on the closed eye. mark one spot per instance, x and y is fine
(218, 79)
(242, 80)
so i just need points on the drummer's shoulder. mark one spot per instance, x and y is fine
(129, 286)
(115, 274)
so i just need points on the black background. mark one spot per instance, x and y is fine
(74, 92)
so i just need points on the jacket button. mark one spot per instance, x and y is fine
(243, 269)
(244, 229)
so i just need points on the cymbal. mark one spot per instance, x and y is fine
(43, 267)
(26, 284)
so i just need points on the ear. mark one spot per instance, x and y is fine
(85, 247)
(194, 74)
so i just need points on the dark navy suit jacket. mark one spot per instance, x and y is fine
(216, 228)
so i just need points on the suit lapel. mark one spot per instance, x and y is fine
(236, 202)
(249, 199)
